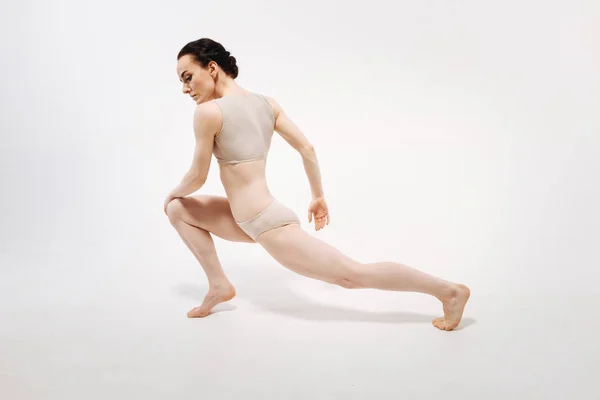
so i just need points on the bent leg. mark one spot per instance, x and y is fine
(295, 249)
(211, 213)
(195, 218)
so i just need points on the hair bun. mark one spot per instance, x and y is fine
(206, 50)
(233, 66)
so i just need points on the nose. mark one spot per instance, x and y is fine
(186, 89)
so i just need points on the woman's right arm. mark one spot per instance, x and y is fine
(292, 134)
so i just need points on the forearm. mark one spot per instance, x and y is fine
(189, 184)
(311, 166)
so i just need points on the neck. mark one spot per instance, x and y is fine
(227, 87)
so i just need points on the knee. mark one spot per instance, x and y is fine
(175, 209)
(351, 278)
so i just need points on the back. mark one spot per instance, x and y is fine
(248, 125)
(241, 148)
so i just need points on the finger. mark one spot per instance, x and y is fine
(309, 216)
(328, 219)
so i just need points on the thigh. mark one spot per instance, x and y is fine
(211, 213)
(307, 255)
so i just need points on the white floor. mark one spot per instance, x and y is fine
(79, 324)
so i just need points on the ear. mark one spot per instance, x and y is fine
(212, 67)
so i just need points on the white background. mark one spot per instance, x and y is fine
(458, 137)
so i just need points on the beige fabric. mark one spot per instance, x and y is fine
(273, 216)
(248, 125)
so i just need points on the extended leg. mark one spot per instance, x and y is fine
(302, 253)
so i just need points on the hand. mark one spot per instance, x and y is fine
(318, 208)
(168, 200)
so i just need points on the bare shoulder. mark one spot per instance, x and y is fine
(208, 117)
(277, 109)
(287, 128)
(208, 110)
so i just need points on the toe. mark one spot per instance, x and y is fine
(196, 313)
(440, 323)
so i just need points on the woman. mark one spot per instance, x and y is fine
(237, 125)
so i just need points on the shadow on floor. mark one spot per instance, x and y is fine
(272, 294)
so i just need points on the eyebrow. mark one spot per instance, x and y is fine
(184, 71)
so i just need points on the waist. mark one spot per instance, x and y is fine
(246, 188)
(245, 204)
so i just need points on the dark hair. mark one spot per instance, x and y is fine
(206, 50)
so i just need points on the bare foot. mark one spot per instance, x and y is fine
(454, 305)
(214, 296)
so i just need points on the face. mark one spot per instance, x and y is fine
(198, 82)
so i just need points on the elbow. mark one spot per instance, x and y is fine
(308, 149)
(308, 153)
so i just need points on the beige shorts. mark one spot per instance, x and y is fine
(273, 216)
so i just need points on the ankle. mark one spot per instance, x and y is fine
(219, 285)
(448, 292)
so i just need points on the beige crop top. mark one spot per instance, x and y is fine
(248, 125)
